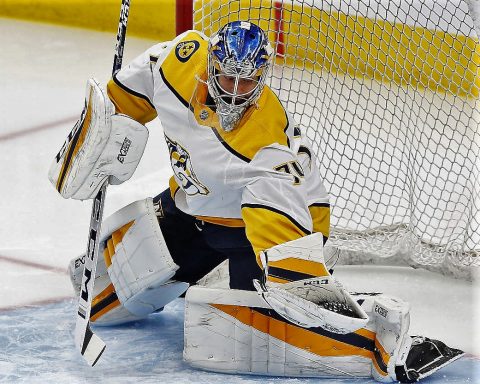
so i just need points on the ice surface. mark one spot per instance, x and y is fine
(44, 70)
(39, 350)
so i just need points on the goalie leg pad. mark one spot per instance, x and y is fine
(141, 262)
(392, 342)
(133, 277)
(106, 308)
(398, 356)
(245, 336)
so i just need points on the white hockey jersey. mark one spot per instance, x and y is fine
(261, 175)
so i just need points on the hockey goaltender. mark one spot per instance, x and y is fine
(244, 188)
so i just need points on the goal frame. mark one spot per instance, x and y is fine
(278, 35)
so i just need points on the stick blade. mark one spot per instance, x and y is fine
(92, 347)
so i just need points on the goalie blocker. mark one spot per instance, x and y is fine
(102, 145)
(271, 332)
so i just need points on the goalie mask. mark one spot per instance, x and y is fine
(239, 58)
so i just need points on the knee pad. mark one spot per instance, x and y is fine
(133, 277)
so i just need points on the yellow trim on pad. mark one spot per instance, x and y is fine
(302, 338)
(307, 267)
(102, 296)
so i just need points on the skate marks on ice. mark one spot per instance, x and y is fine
(36, 345)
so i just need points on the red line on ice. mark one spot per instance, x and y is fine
(38, 128)
(35, 303)
(26, 263)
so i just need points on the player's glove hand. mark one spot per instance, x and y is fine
(313, 302)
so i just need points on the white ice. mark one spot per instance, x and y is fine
(43, 71)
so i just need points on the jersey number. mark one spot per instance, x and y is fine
(294, 169)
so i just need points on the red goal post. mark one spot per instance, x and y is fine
(183, 16)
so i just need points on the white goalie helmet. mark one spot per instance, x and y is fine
(239, 59)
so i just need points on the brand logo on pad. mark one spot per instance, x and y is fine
(79, 262)
(316, 282)
(381, 311)
(186, 49)
(124, 150)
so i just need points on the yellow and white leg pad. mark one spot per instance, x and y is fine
(106, 308)
(101, 145)
(246, 336)
(235, 331)
(138, 267)
(317, 299)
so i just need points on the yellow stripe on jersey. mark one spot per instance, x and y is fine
(258, 128)
(179, 74)
(321, 218)
(275, 279)
(224, 221)
(266, 227)
(316, 341)
(130, 104)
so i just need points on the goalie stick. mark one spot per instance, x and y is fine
(90, 345)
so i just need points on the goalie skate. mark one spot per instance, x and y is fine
(425, 357)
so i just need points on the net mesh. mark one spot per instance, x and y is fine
(388, 92)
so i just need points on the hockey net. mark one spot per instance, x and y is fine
(388, 92)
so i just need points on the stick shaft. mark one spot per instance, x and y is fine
(121, 34)
(90, 345)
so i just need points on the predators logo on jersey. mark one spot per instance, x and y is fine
(182, 167)
(186, 49)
